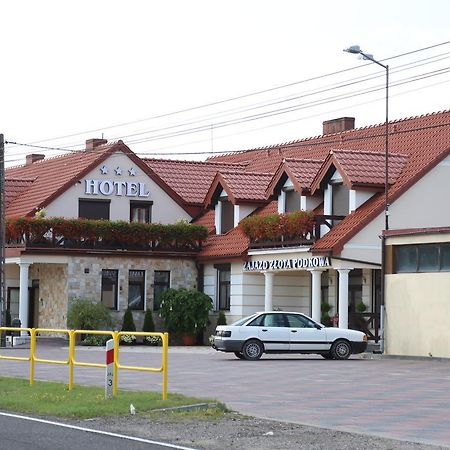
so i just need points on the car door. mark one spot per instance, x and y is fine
(305, 335)
(273, 332)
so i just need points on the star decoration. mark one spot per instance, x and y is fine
(132, 172)
(118, 171)
(104, 170)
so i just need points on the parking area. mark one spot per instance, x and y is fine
(396, 398)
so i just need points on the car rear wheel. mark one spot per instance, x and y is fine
(326, 355)
(239, 355)
(252, 350)
(341, 350)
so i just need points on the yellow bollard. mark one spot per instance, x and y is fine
(32, 354)
(116, 358)
(164, 364)
(71, 357)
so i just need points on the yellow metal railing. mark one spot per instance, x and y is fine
(72, 362)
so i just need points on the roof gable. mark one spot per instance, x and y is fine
(240, 187)
(300, 171)
(360, 168)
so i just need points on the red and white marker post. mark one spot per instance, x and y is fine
(109, 374)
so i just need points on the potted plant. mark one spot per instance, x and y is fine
(185, 312)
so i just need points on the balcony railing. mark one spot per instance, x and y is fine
(103, 235)
(320, 226)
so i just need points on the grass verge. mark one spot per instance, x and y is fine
(83, 402)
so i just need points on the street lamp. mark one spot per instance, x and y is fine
(355, 49)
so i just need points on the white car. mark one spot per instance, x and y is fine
(286, 332)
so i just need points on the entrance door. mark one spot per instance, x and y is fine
(304, 335)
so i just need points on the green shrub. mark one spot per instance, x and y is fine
(95, 340)
(84, 314)
(361, 307)
(128, 321)
(185, 311)
(221, 319)
(325, 316)
(149, 324)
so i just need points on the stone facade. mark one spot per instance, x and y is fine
(52, 297)
(82, 278)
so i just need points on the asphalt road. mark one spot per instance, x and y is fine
(21, 433)
(403, 399)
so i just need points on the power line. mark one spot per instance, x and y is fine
(262, 115)
(241, 96)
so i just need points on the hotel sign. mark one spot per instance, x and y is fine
(118, 188)
(286, 264)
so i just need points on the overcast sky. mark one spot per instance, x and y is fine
(82, 68)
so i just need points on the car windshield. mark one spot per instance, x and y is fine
(240, 322)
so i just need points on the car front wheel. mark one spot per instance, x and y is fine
(252, 350)
(341, 350)
(239, 355)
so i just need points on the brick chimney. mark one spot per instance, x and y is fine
(92, 144)
(338, 125)
(32, 158)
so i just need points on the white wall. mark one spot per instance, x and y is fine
(164, 208)
(425, 204)
(417, 314)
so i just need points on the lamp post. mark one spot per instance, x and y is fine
(355, 49)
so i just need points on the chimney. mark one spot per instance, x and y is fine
(92, 144)
(338, 125)
(32, 158)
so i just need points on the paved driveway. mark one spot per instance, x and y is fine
(395, 398)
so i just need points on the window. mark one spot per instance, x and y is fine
(136, 289)
(223, 286)
(110, 284)
(227, 219)
(93, 209)
(341, 200)
(297, 321)
(141, 212)
(13, 303)
(160, 285)
(422, 258)
(292, 201)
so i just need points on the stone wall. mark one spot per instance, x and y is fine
(52, 298)
(85, 279)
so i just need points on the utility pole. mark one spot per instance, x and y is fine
(2, 241)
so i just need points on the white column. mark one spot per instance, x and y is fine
(23, 295)
(315, 294)
(218, 217)
(268, 291)
(343, 297)
(282, 202)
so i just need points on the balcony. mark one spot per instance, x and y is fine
(102, 235)
(296, 229)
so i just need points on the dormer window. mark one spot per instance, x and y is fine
(227, 216)
(224, 213)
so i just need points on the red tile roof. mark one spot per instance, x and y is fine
(232, 244)
(51, 177)
(361, 168)
(300, 171)
(190, 179)
(424, 140)
(15, 187)
(241, 187)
